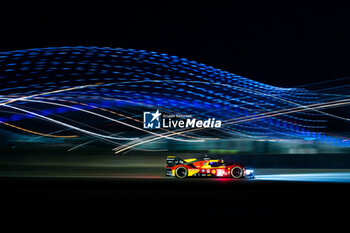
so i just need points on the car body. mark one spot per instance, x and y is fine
(205, 167)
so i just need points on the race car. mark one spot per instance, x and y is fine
(205, 166)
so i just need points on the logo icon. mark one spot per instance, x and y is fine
(151, 120)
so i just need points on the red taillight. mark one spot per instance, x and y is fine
(220, 172)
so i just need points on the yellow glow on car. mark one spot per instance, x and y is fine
(189, 160)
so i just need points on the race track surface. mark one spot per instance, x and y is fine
(273, 195)
(135, 190)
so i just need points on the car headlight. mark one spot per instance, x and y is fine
(249, 172)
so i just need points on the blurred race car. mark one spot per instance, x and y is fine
(205, 166)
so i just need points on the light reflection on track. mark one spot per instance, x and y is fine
(307, 177)
(333, 177)
(136, 170)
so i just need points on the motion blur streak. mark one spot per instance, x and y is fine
(111, 119)
(69, 126)
(336, 177)
(131, 82)
(303, 108)
(263, 115)
(38, 133)
(47, 93)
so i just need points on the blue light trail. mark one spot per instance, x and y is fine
(137, 80)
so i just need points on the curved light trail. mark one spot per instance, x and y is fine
(129, 82)
(68, 126)
(102, 116)
(38, 133)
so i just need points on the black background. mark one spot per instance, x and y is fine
(285, 44)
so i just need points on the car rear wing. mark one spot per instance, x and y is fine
(173, 160)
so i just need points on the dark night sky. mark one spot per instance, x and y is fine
(284, 44)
